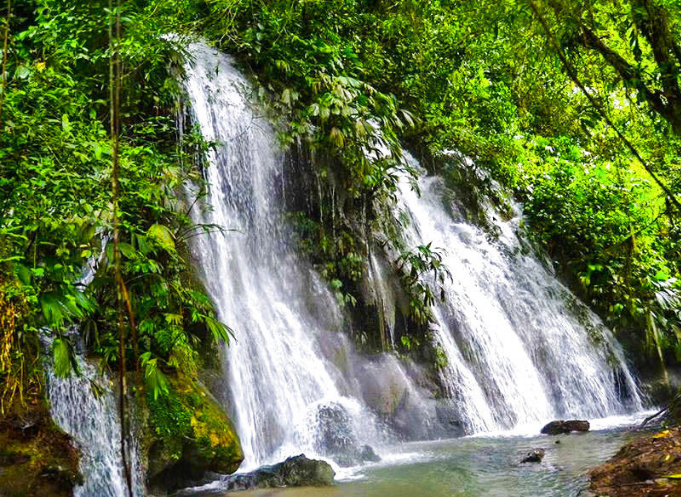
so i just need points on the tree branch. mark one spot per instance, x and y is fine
(573, 75)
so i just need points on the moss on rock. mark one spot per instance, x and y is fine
(190, 435)
(36, 457)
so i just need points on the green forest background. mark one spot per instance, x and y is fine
(573, 106)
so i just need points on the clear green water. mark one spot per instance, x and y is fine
(476, 466)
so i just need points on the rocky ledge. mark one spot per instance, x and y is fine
(561, 427)
(650, 466)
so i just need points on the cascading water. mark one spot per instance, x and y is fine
(517, 354)
(277, 376)
(92, 420)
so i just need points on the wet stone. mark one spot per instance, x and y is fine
(535, 455)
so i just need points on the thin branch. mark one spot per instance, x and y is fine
(114, 96)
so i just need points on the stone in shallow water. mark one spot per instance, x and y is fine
(561, 427)
(297, 471)
(535, 455)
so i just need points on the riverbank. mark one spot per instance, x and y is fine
(647, 466)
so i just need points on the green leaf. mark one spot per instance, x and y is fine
(61, 353)
(162, 236)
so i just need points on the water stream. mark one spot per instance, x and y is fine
(517, 352)
(277, 377)
(85, 407)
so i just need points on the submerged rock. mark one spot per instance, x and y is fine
(535, 455)
(561, 427)
(368, 454)
(646, 466)
(297, 471)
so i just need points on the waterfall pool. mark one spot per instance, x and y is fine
(486, 465)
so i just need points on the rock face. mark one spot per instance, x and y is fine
(561, 427)
(641, 467)
(36, 456)
(297, 471)
(535, 455)
(189, 435)
(336, 438)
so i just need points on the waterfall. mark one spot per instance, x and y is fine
(277, 377)
(85, 407)
(517, 353)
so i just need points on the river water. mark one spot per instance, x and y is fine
(478, 466)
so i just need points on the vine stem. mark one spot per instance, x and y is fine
(5, 46)
(121, 293)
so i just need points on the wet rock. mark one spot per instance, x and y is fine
(66, 478)
(384, 385)
(561, 427)
(368, 454)
(297, 471)
(36, 457)
(182, 452)
(535, 455)
(448, 416)
(336, 438)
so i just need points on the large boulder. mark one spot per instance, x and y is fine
(561, 427)
(297, 471)
(189, 435)
(335, 437)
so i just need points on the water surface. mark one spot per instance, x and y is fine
(476, 466)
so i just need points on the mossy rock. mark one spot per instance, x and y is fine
(190, 435)
(36, 457)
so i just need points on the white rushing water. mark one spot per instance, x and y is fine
(278, 307)
(91, 418)
(517, 354)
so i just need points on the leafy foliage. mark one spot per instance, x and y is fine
(55, 195)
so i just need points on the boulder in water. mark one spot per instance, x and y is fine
(336, 438)
(297, 471)
(368, 454)
(562, 427)
(535, 455)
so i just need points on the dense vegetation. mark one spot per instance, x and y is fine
(573, 106)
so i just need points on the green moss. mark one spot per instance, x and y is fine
(36, 457)
(190, 430)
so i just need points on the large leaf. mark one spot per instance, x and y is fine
(162, 236)
(61, 352)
